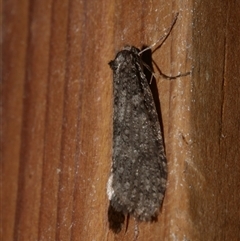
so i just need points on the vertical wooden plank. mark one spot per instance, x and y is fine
(15, 35)
(33, 122)
(94, 121)
(54, 122)
(145, 26)
(214, 175)
(57, 116)
(70, 118)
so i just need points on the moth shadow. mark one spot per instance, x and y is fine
(147, 60)
(115, 219)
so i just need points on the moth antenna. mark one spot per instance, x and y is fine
(163, 38)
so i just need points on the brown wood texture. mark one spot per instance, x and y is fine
(57, 117)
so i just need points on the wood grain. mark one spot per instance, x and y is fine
(57, 116)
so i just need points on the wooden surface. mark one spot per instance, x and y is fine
(57, 117)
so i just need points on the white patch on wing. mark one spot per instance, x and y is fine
(110, 190)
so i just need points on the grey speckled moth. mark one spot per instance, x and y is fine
(137, 182)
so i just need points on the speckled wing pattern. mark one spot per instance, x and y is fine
(137, 182)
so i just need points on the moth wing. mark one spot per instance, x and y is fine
(138, 179)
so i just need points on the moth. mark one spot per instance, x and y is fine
(138, 177)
